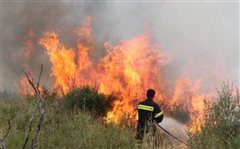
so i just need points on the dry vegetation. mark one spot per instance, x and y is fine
(73, 127)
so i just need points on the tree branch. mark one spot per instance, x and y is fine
(29, 131)
(40, 107)
(39, 77)
(9, 127)
(4, 137)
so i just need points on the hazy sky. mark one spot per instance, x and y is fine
(202, 37)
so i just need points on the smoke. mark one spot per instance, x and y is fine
(201, 37)
(175, 128)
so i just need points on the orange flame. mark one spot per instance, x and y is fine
(64, 67)
(24, 87)
(187, 94)
(127, 70)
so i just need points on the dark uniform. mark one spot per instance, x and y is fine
(148, 113)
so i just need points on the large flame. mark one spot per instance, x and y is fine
(127, 70)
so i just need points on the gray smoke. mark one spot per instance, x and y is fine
(202, 37)
(174, 128)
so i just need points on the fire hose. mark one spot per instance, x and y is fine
(171, 135)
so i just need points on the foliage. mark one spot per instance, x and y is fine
(61, 129)
(69, 129)
(222, 122)
(72, 129)
(89, 100)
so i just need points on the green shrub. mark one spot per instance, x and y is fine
(61, 129)
(67, 129)
(87, 99)
(221, 129)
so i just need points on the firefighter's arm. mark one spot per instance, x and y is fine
(158, 114)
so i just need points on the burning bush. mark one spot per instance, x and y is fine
(222, 122)
(88, 99)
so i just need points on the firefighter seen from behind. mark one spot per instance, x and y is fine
(149, 113)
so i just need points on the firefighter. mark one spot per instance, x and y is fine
(148, 113)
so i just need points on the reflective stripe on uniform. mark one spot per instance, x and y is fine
(144, 107)
(159, 114)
